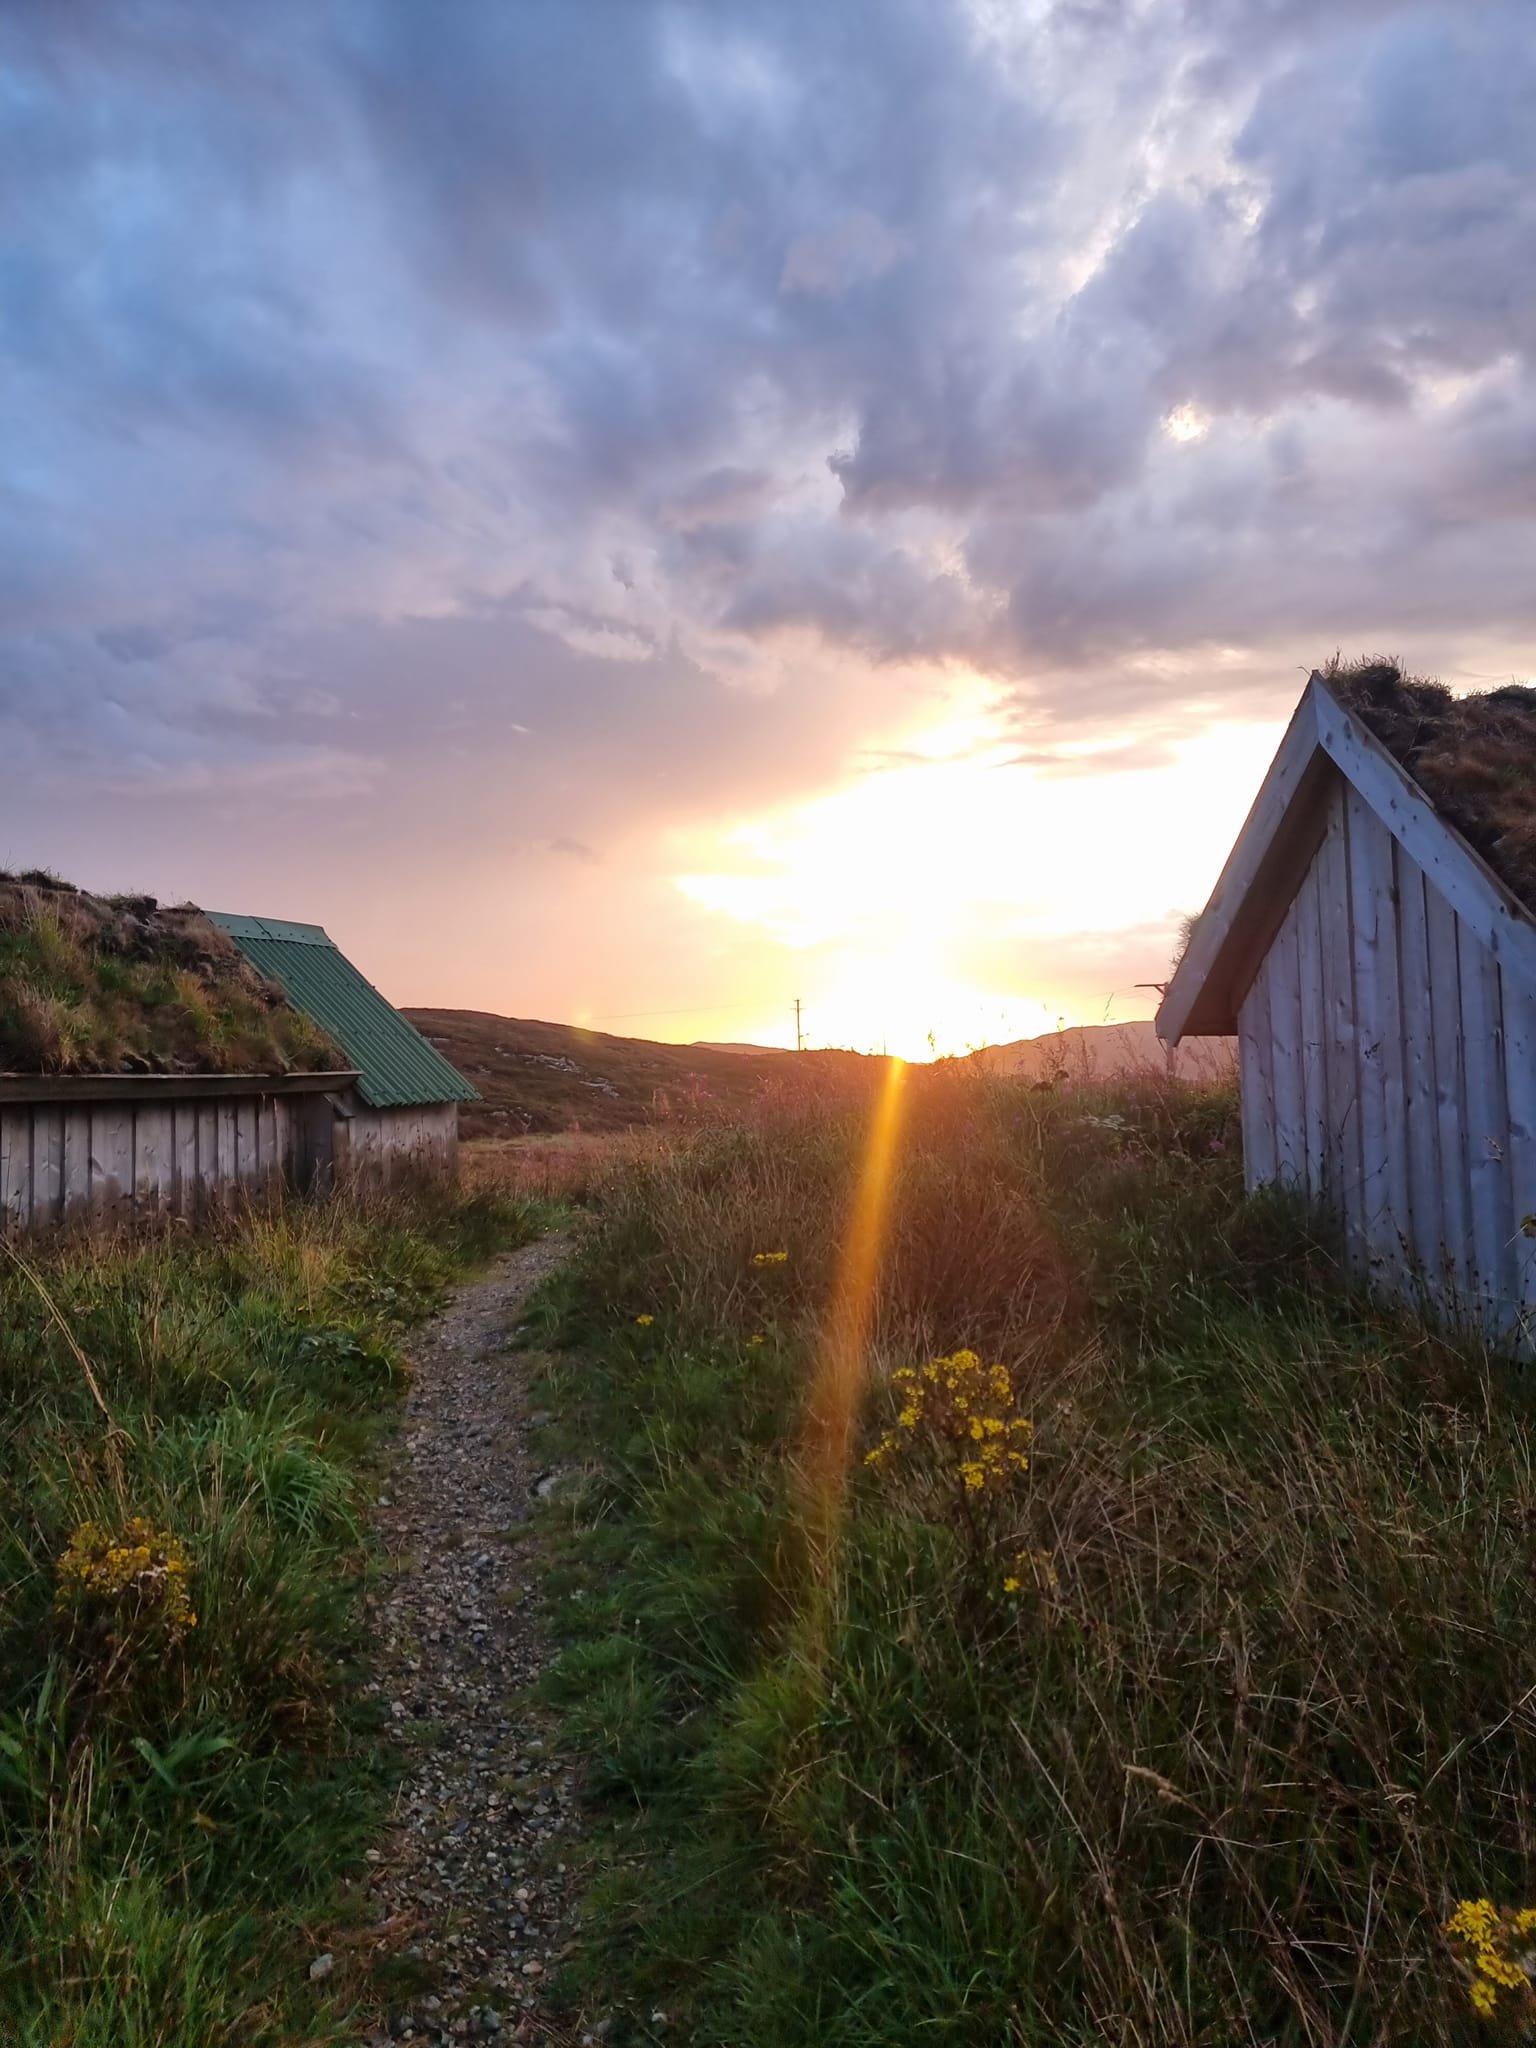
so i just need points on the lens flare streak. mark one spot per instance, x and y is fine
(843, 1354)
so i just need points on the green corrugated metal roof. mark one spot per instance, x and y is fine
(396, 1064)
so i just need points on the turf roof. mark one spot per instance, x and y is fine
(1474, 757)
(126, 985)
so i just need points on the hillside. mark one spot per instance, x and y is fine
(536, 1076)
(1109, 1052)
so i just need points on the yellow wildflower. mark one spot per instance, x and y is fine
(755, 1339)
(769, 1258)
(645, 1322)
(1500, 1970)
(1475, 1921)
(957, 1406)
(144, 1571)
(1498, 1953)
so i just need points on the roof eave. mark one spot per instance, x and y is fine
(1203, 997)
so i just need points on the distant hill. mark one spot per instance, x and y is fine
(535, 1076)
(1103, 1052)
(559, 1077)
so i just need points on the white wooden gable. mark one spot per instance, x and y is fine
(1381, 982)
(1279, 839)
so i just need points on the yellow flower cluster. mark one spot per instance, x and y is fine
(769, 1258)
(1034, 1568)
(645, 1322)
(143, 1566)
(965, 1405)
(1499, 1949)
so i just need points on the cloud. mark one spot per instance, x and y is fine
(625, 414)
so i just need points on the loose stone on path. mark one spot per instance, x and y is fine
(471, 1891)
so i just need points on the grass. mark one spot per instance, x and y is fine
(93, 984)
(1192, 1732)
(181, 1802)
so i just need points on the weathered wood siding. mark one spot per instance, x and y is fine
(382, 1147)
(118, 1158)
(1389, 1071)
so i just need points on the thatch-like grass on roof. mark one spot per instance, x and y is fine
(122, 984)
(1474, 757)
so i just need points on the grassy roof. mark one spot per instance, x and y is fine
(1474, 757)
(123, 984)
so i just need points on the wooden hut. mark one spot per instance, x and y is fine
(398, 1117)
(1371, 943)
(153, 1061)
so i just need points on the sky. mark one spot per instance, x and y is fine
(636, 511)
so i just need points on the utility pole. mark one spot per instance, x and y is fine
(799, 1034)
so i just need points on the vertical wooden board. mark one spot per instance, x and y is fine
(1257, 1094)
(1287, 1086)
(76, 1173)
(207, 1156)
(282, 1140)
(1339, 1050)
(368, 1147)
(247, 1164)
(1421, 1126)
(1482, 1026)
(271, 1144)
(1254, 1082)
(15, 1166)
(341, 1151)
(1520, 1088)
(1389, 1017)
(226, 1174)
(47, 1163)
(1450, 1085)
(1377, 1049)
(111, 1158)
(154, 1156)
(184, 1143)
(1314, 1067)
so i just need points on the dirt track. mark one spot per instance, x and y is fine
(472, 1891)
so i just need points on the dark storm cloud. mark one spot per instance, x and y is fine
(631, 343)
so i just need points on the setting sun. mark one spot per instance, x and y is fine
(925, 906)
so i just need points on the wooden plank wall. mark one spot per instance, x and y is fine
(1389, 1072)
(112, 1160)
(383, 1147)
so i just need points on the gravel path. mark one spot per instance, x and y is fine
(471, 1891)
